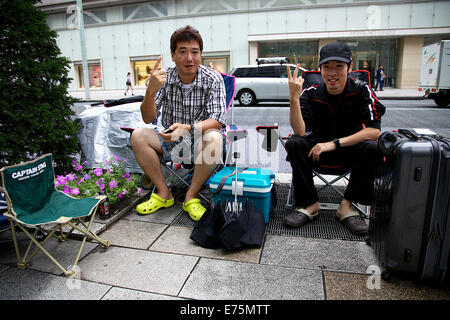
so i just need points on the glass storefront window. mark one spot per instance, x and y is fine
(302, 52)
(142, 70)
(220, 64)
(146, 10)
(95, 75)
(368, 54)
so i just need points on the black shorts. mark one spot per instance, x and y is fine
(128, 83)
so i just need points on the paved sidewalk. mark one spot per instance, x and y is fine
(153, 258)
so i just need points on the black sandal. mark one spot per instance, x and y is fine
(299, 218)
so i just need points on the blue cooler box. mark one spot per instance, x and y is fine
(253, 183)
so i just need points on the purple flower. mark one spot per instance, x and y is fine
(139, 190)
(120, 195)
(101, 186)
(78, 167)
(125, 175)
(98, 172)
(71, 177)
(67, 190)
(113, 184)
(87, 176)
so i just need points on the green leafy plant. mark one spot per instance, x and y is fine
(35, 108)
(112, 180)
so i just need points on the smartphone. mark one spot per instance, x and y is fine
(166, 131)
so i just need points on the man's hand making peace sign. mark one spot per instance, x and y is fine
(295, 90)
(295, 83)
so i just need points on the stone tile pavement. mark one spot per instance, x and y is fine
(152, 259)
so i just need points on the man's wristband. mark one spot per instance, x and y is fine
(337, 143)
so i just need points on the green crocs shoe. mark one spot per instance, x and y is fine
(154, 204)
(194, 208)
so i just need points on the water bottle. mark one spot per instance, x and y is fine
(103, 209)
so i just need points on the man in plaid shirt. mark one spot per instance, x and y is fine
(192, 101)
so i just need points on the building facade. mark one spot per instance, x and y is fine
(128, 36)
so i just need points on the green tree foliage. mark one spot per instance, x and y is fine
(35, 109)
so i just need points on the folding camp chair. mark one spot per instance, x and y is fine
(34, 202)
(272, 136)
(184, 176)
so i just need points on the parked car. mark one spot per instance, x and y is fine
(266, 81)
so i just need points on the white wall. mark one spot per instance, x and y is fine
(115, 43)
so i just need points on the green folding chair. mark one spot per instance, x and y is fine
(34, 202)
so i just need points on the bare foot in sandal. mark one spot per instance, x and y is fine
(302, 216)
(351, 219)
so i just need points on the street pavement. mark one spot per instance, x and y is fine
(99, 95)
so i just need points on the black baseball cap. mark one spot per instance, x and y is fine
(335, 51)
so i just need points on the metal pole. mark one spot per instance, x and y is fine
(83, 50)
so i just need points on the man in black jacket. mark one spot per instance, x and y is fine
(337, 125)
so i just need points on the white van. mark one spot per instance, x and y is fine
(266, 81)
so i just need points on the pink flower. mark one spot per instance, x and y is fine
(98, 172)
(78, 167)
(116, 157)
(75, 191)
(60, 180)
(113, 184)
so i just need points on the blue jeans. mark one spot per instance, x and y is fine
(379, 82)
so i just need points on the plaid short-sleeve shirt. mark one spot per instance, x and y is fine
(206, 99)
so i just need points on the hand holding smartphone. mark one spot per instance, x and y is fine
(166, 131)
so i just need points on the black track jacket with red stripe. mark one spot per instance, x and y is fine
(330, 117)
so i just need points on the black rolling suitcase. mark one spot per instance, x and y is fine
(409, 226)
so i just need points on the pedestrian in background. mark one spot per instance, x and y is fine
(380, 78)
(129, 86)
